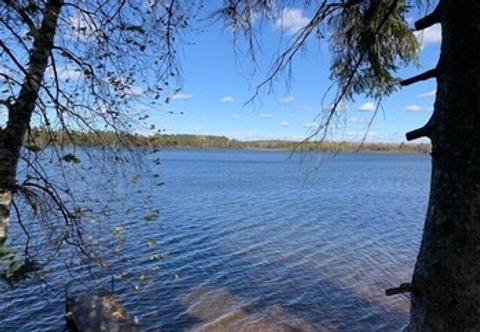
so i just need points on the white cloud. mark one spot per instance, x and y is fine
(284, 124)
(134, 91)
(266, 115)
(368, 107)
(286, 100)
(5, 71)
(227, 99)
(5, 75)
(181, 96)
(306, 108)
(430, 35)
(65, 73)
(203, 119)
(341, 107)
(312, 125)
(429, 94)
(413, 108)
(291, 20)
(82, 27)
(356, 120)
(145, 108)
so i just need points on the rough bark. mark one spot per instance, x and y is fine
(446, 280)
(21, 109)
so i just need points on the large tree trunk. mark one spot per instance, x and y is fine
(21, 109)
(446, 280)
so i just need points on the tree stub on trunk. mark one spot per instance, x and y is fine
(98, 312)
(403, 288)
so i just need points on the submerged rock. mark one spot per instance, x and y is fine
(98, 312)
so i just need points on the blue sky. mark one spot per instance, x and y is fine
(219, 80)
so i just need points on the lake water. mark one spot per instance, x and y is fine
(263, 241)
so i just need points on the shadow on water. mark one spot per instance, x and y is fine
(254, 256)
(298, 300)
(255, 249)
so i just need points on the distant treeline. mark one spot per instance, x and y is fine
(112, 139)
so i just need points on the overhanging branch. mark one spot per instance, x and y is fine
(429, 20)
(432, 73)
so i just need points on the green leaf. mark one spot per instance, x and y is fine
(135, 28)
(33, 148)
(79, 211)
(19, 272)
(154, 215)
(71, 158)
(7, 253)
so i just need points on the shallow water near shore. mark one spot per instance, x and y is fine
(265, 241)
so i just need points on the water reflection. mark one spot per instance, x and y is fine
(255, 247)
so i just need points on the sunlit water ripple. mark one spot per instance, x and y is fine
(266, 241)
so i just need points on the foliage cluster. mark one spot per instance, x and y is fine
(39, 138)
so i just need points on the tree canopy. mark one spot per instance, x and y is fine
(74, 66)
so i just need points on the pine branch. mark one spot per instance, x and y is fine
(429, 20)
(432, 73)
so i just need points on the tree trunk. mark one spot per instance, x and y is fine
(21, 110)
(5, 201)
(446, 280)
(7, 182)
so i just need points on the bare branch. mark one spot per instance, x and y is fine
(13, 58)
(23, 227)
(285, 59)
(14, 33)
(23, 15)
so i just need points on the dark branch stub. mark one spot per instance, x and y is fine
(425, 131)
(429, 20)
(420, 132)
(403, 288)
(432, 73)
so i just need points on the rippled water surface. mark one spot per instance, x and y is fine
(266, 241)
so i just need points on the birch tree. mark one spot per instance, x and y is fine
(73, 66)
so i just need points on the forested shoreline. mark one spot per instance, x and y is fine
(39, 138)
